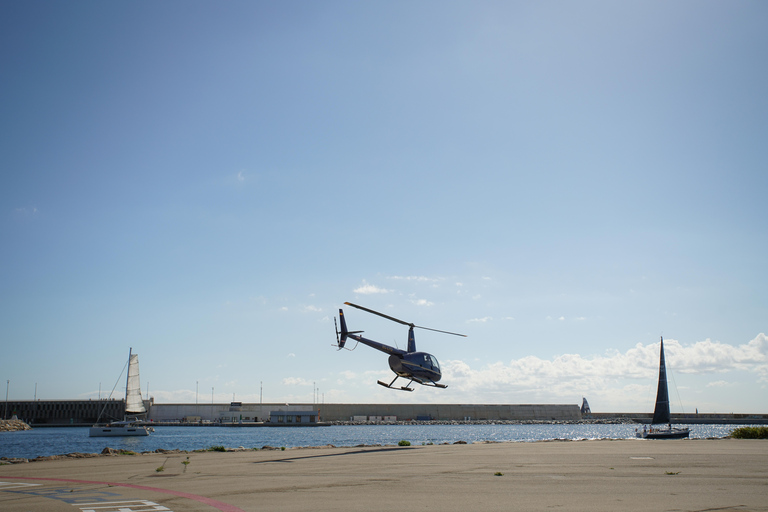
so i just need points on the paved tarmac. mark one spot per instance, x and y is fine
(643, 475)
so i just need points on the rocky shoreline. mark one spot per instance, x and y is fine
(13, 426)
(111, 452)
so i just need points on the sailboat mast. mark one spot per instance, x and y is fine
(128, 378)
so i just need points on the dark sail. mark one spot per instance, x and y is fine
(661, 412)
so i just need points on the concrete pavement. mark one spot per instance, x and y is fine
(686, 475)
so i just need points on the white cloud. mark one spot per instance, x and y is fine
(345, 376)
(480, 320)
(369, 289)
(312, 309)
(423, 302)
(713, 356)
(27, 212)
(421, 279)
(296, 381)
(291, 354)
(619, 377)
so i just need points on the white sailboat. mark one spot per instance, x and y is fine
(133, 405)
(661, 414)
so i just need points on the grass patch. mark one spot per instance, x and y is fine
(750, 433)
(217, 448)
(671, 472)
(404, 443)
(127, 452)
(498, 473)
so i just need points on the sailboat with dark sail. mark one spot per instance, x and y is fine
(134, 405)
(661, 414)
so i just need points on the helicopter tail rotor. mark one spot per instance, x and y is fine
(341, 336)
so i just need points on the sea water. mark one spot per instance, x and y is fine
(40, 442)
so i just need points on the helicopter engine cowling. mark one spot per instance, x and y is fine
(396, 364)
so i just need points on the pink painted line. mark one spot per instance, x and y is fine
(220, 505)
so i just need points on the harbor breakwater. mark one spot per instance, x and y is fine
(85, 412)
(13, 425)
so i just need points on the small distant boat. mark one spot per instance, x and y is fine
(661, 414)
(133, 405)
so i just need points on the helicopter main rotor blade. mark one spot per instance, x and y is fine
(438, 330)
(401, 321)
(380, 314)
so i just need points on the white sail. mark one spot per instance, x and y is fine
(133, 401)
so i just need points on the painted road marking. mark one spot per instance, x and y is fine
(219, 505)
(15, 485)
(121, 506)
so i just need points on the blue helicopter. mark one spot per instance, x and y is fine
(418, 366)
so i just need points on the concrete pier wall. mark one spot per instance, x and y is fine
(80, 412)
(65, 412)
(459, 412)
(346, 412)
(85, 412)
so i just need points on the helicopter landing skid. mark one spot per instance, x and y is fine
(390, 386)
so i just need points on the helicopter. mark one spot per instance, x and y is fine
(418, 366)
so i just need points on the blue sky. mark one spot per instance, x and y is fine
(209, 182)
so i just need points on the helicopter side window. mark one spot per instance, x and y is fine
(435, 364)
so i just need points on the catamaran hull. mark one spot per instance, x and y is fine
(118, 431)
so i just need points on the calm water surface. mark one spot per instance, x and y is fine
(55, 441)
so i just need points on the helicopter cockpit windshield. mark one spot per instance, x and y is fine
(433, 360)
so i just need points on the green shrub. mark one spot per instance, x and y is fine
(404, 443)
(218, 448)
(750, 433)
